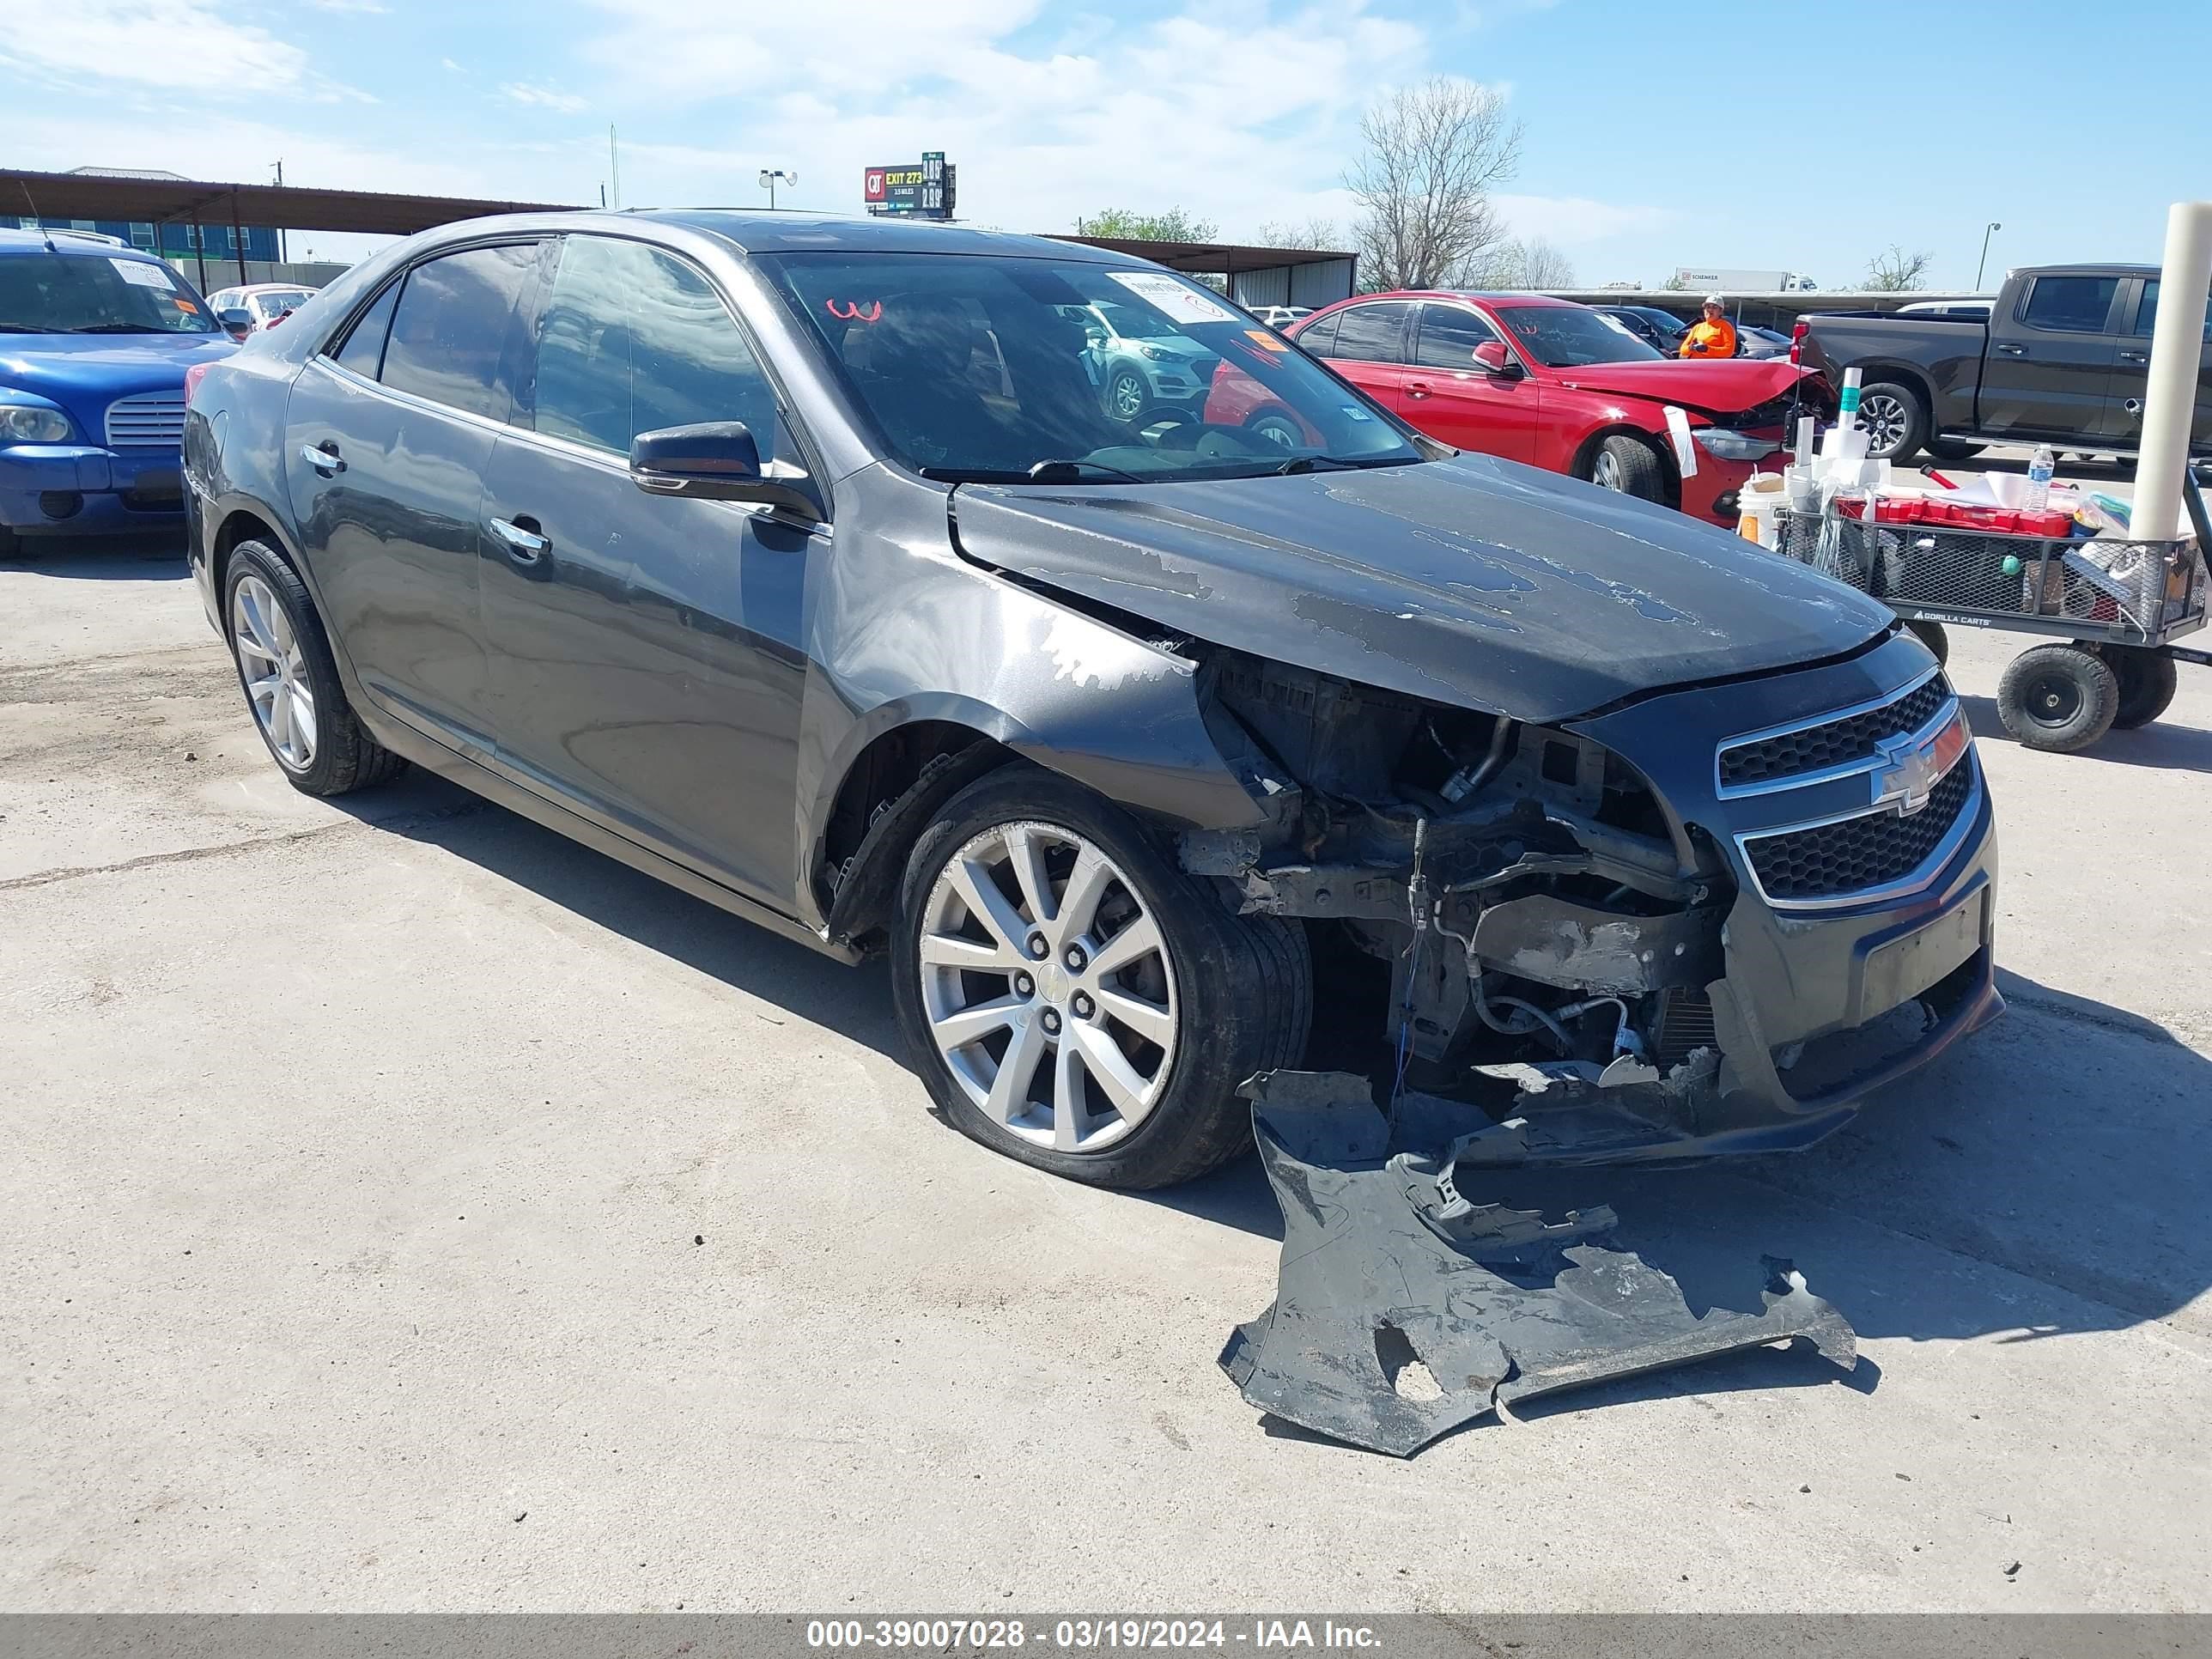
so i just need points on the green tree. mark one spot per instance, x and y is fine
(1174, 225)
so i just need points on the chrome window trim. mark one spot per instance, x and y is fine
(1806, 779)
(1921, 876)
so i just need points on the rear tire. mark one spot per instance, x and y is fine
(314, 739)
(1931, 634)
(2058, 698)
(1630, 466)
(1229, 995)
(1952, 449)
(2148, 682)
(10, 542)
(1895, 420)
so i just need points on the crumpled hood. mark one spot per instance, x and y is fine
(1472, 582)
(85, 372)
(1726, 387)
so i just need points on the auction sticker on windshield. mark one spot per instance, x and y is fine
(141, 274)
(1184, 304)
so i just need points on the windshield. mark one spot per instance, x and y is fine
(1002, 369)
(75, 294)
(274, 304)
(1573, 336)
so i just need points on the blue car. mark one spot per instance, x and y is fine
(95, 340)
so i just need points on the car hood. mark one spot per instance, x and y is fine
(1726, 387)
(85, 372)
(1472, 582)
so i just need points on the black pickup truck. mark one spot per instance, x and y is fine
(2062, 360)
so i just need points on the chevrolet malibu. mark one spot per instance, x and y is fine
(799, 562)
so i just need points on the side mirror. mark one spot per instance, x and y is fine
(716, 461)
(1492, 358)
(237, 323)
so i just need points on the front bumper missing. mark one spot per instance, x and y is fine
(1406, 1307)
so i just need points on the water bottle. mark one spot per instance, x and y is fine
(2039, 479)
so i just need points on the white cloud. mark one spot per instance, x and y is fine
(1240, 111)
(520, 92)
(168, 43)
(447, 63)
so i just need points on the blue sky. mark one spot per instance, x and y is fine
(1770, 136)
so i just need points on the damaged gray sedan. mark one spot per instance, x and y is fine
(801, 562)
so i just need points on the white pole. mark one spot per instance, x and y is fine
(2176, 350)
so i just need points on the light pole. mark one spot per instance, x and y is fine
(767, 182)
(1993, 227)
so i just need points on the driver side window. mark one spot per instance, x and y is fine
(1449, 337)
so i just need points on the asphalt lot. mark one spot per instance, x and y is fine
(407, 1209)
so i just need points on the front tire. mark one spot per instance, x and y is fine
(1932, 635)
(1630, 466)
(1895, 420)
(2058, 698)
(290, 680)
(1074, 999)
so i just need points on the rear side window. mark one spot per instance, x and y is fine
(450, 330)
(363, 351)
(634, 339)
(2147, 312)
(2070, 305)
(1372, 334)
(1320, 339)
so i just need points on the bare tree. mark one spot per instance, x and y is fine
(1434, 153)
(1311, 233)
(1530, 263)
(1896, 271)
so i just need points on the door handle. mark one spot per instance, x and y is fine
(2142, 357)
(524, 545)
(1417, 388)
(2013, 351)
(323, 457)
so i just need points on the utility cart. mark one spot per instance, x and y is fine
(2113, 607)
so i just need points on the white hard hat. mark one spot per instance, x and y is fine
(1716, 300)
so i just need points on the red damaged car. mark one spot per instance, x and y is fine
(1549, 382)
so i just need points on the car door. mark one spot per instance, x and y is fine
(2131, 374)
(387, 437)
(647, 647)
(2050, 364)
(1450, 396)
(1367, 346)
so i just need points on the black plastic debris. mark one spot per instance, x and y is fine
(1406, 1307)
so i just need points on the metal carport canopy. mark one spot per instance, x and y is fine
(289, 207)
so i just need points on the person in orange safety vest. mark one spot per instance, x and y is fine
(1713, 336)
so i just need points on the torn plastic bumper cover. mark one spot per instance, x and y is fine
(1406, 1308)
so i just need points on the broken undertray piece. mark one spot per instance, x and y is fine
(1406, 1307)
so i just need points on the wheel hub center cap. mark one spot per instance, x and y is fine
(1052, 980)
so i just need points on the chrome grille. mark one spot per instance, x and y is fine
(1858, 854)
(1837, 743)
(152, 420)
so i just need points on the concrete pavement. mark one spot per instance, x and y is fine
(408, 1209)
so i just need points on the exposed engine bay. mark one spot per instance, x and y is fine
(1542, 921)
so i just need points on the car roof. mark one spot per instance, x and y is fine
(759, 231)
(66, 242)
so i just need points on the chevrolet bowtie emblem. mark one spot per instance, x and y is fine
(1912, 765)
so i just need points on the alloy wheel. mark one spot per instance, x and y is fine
(275, 672)
(1605, 472)
(1885, 419)
(1047, 988)
(1128, 393)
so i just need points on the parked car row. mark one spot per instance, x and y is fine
(807, 564)
(1549, 382)
(264, 305)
